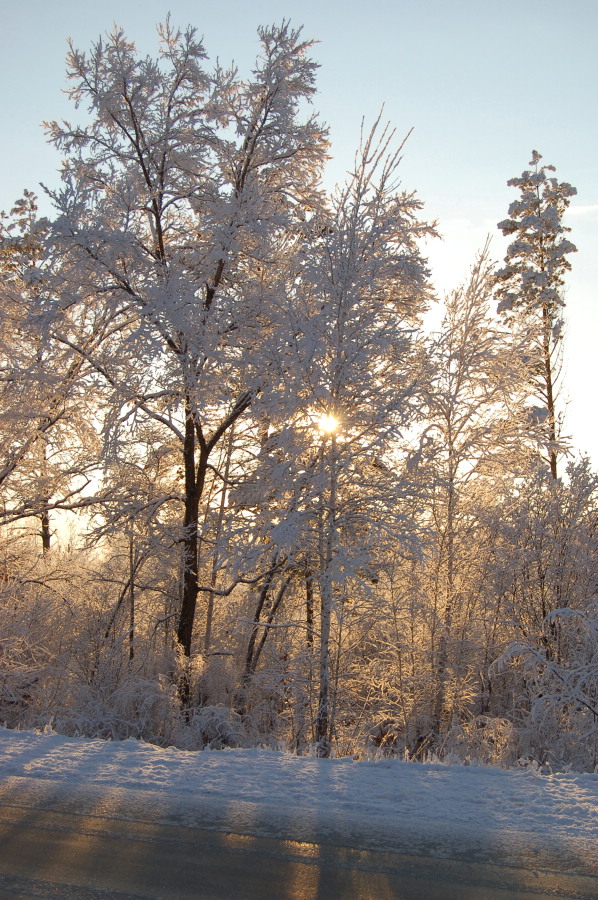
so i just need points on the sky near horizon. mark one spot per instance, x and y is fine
(482, 83)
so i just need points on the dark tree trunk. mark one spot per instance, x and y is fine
(195, 476)
(190, 539)
(45, 532)
(194, 482)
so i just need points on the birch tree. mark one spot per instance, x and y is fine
(354, 370)
(474, 433)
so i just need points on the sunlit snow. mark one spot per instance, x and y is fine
(520, 817)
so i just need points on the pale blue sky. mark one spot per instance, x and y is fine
(482, 83)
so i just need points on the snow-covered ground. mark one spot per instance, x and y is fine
(518, 817)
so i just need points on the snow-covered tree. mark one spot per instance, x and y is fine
(179, 195)
(354, 371)
(530, 285)
(545, 547)
(555, 692)
(473, 431)
(46, 438)
(431, 655)
(369, 293)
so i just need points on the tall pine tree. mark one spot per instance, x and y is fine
(530, 285)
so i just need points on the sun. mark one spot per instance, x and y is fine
(328, 424)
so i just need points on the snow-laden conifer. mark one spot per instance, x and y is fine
(530, 284)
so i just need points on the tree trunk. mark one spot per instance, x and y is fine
(309, 606)
(45, 532)
(326, 540)
(549, 381)
(190, 540)
(248, 668)
(131, 599)
(214, 572)
(195, 476)
(445, 631)
(194, 481)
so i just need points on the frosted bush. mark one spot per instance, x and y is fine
(484, 740)
(209, 728)
(555, 688)
(135, 707)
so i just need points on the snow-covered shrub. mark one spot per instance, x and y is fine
(271, 701)
(133, 706)
(213, 680)
(483, 741)
(19, 683)
(556, 690)
(31, 651)
(297, 718)
(209, 728)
